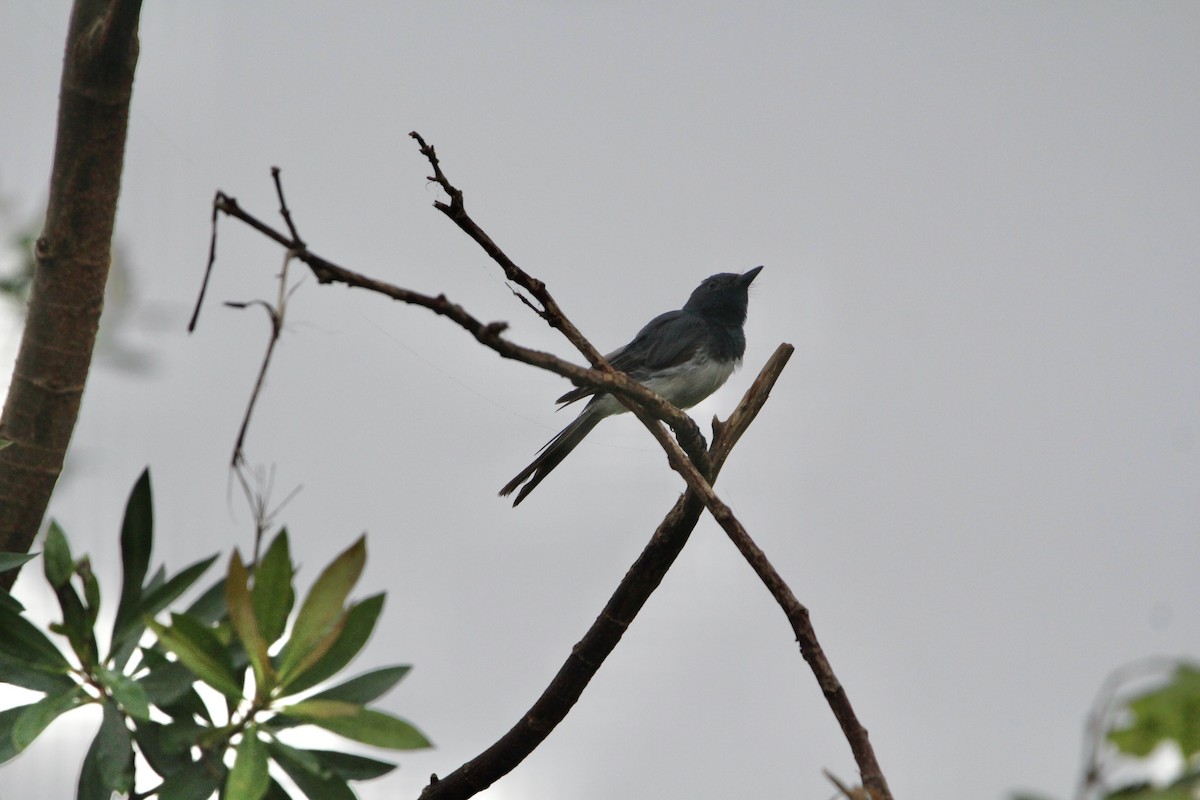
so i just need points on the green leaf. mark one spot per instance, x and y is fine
(76, 625)
(29, 675)
(130, 694)
(34, 718)
(8, 719)
(352, 767)
(306, 772)
(322, 615)
(276, 792)
(57, 564)
(166, 752)
(91, 783)
(167, 681)
(114, 751)
(360, 724)
(273, 593)
(245, 625)
(1169, 713)
(196, 782)
(137, 539)
(10, 603)
(21, 638)
(168, 684)
(13, 560)
(154, 601)
(91, 591)
(248, 778)
(157, 599)
(200, 651)
(5, 443)
(360, 623)
(209, 606)
(366, 687)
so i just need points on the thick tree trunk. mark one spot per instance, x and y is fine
(73, 255)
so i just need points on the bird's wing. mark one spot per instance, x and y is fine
(667, 340)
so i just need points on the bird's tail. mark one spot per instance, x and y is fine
(552, 454)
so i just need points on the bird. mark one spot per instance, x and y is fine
(683, 355)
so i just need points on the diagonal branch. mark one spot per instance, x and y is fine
(797, 615)
(695, 466)
(624, 388)
(604, 634)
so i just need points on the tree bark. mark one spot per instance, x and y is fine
(73, 255)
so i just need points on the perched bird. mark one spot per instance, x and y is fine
(684, 355)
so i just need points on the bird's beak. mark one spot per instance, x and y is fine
(748, 276)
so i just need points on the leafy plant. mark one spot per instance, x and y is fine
(158, 682)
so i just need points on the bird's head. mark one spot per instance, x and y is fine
(724, 295)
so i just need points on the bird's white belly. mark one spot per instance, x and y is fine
(689, 383)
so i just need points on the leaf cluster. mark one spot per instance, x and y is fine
(206, 697)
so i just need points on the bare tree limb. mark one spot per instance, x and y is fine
(797, 615)
(620, 385)
(695, 466)
(635, 588)
(73, 255)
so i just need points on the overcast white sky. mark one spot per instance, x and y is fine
(981, 231)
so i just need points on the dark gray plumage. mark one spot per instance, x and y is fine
(684, 355)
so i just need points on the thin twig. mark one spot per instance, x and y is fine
(283, 209)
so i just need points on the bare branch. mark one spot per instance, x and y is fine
(624, 388)
(697, 470)
(631, 594)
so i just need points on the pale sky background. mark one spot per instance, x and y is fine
(981, 470)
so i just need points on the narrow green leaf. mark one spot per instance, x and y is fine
(114, 754)
(165, 753)
(30, 675)
(168, 684)
(276, 792)
(157, 599)
(21, 638)
(273, 593)
(57, 563)
(323, 609)
(306, 772)
(245, 625)
(8, 720)
(36, 717)
(366, 687)
(210, 605)
(351, 767)
(360, 623)
(137, 539)
(130, 694)
(76, 625)
(10, 603)
(5, 443)
(153, 601)
(167, 681)
(13, 560)
(196, 782)
(360, 724)
(91, 784)
(200, 651)
(91, 591)
(248, 778)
